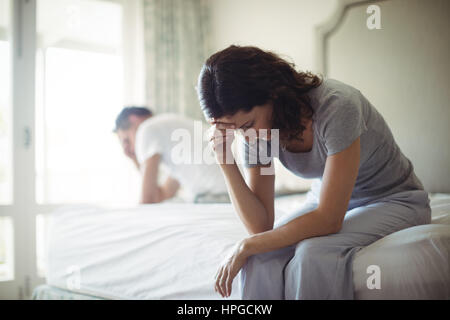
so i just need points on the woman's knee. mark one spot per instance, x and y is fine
(424, 216)
(305, 269)
(269, 261)
(262, 275)
(309, 250)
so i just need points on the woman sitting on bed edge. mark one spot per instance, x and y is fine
(327, 130)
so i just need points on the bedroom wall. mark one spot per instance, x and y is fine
(283, 26)
(404, 70)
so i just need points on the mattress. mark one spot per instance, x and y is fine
(46, 292)
(172, 251)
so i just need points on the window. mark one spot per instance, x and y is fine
(71, 154)
(6, 249)
(6, 186)
(42, 231)
(80, 92)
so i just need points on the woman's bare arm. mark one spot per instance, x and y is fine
(338, 181)
(254, 203)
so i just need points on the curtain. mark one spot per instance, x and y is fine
(176, 46)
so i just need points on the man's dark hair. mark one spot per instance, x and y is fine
(123, 121)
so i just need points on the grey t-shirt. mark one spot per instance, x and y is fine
(341, 115)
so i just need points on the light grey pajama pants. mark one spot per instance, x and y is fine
(321, 267)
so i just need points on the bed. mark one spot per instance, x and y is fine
(172, 250)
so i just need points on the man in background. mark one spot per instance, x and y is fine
(147, 140)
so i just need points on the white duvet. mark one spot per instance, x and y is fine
(172, 251)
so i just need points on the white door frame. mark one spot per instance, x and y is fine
(23, 45)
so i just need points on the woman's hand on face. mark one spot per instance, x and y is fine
(229, 269)
(221, 138)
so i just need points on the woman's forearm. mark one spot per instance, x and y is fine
(249, 208)
(311, 224)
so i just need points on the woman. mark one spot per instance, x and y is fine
(327, 130)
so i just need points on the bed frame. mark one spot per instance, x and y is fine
(403, 69)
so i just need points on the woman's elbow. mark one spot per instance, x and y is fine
(334, 226)
(329, 222)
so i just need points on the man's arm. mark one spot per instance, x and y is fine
(170, 188)
(132, 156)
(151, 192)
(136, 163)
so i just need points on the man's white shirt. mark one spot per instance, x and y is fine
(183, 150)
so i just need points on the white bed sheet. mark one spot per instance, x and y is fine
(170, 250)
(166, 251)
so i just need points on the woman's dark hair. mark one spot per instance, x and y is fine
(239, 78)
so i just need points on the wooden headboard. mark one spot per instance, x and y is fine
(403, 69)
